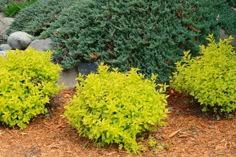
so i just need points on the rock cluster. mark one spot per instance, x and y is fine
(22, 40)
(19, 40)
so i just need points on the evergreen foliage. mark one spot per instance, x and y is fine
(211, 77)
(37, 17)
(27, 81)
(232, 2)
(149, 35)
(112, 107)
(4, 3)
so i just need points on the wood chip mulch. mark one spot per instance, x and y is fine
(188, 133)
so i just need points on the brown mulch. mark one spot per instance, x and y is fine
(188, 133)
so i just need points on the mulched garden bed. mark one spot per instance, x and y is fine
(188, 133)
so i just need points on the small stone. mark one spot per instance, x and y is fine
(224, 35)
(234, 41)
(43, 44)
(2, 53)
(19, 40)
(4, 47)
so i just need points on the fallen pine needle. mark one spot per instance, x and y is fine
(174, 133)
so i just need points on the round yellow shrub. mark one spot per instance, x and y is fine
(27, 80)
(211, 77)
(113, 107)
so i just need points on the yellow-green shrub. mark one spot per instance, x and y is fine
(27, 80)
(113, 107)
(211, 77)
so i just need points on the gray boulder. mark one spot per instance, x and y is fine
(19, 40)
(5, 47)
(68, 78)
(87, 68)
(5, 23)
(43, 45)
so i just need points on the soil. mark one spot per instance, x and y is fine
(188, 133)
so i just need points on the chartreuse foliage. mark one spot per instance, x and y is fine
(113, 107)
(211, 77)
(12, 8)
(38, 16)
(27, 81)
(149, 35)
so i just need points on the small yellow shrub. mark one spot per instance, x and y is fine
(113, 107)
(211, 77)
(27, 80)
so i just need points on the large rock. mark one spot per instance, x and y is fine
(87, 68)
(19, 40)
(4, 47)
(43, 45)
(68, 78)
(5, 23)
